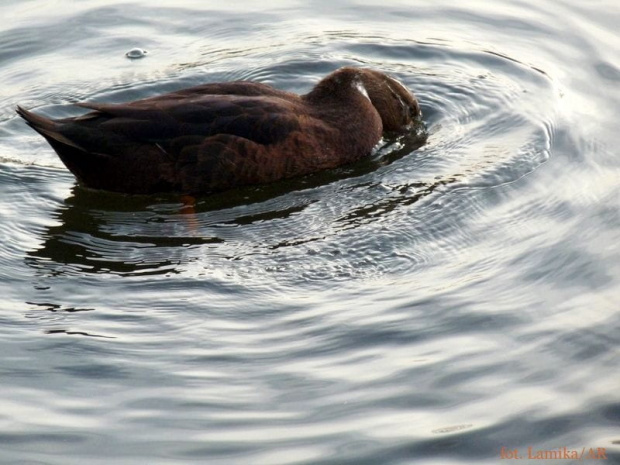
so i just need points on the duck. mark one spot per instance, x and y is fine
(219, 136)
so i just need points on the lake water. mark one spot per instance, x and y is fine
(446, 305)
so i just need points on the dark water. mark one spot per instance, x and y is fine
(422, 306)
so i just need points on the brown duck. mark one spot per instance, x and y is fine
(218, 136)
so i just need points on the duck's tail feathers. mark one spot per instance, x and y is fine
(48, 128)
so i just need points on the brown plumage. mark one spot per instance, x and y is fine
(218, 136)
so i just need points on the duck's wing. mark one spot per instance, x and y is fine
(170, 122)
(213, 142)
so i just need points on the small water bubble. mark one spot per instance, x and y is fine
(136, 53)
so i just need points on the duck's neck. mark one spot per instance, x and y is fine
(342, 84)
(341, 99)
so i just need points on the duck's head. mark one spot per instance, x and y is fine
(397, 106)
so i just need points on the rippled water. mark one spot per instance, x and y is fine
(421, 306)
